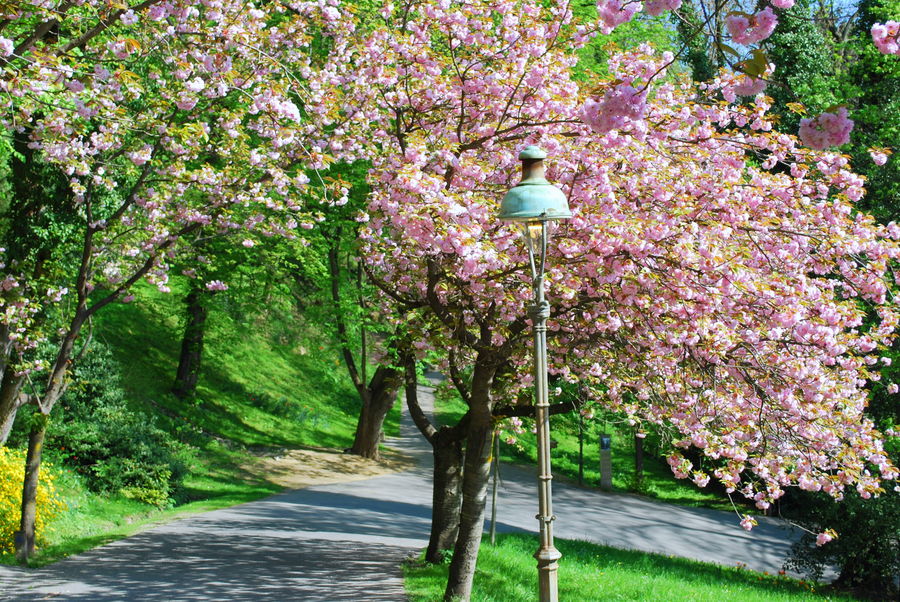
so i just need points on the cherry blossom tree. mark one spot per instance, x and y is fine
(715, 281)
(163, 117)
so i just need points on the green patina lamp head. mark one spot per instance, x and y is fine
(534, 199)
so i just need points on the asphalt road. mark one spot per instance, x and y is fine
(346, 541)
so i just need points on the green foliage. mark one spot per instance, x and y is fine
(809, 66)
(588, 572)
(877, 113)
(696, 44)
(643, 28)
(821, 67)
(867, 550)
(115, 448)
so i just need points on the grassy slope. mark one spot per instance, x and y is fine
(258, 388)
(506, 573)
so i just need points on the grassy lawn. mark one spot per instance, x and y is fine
(506, 573)
(262, 386)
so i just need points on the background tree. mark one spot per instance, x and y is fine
(163, 118)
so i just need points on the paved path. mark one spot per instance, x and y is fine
(346, 541)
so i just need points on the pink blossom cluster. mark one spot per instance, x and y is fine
(750, 86)
(751, 29)
(782, 4)
(887, 37)
(657, 7)
(618, 107)
(613, 13)
(826, 130)
(879, 155)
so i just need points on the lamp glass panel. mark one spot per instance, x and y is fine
(534, 231)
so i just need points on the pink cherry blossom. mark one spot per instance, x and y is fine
(129, 17)
(186, 101)
(613, 13)
(216, 285)
(887, 37)
(750, 86)
(823, 538)
(879, 156)
(619, 107)
(6, 46)
(828, 129)
(782, 4)
(657, 7)
(753, 28)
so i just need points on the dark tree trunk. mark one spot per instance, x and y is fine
(471, 518)
(446, 497)
(377, 402)
(476, 476)
(191, 345)
(10, 401)
(25, 537)
(446, 444)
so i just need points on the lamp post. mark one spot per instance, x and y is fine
(535, 203)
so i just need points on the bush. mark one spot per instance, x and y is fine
(115, 448)
(12, 473)
(866, 551)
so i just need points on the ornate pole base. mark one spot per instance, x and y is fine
(548, 565)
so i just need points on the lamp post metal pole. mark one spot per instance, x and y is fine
(547, 555)
(534, 202)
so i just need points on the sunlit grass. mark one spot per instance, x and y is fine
(507, 573)
(657, 482)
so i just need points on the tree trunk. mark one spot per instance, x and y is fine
(446, 496)
(25, 537)
(191, 345)
(382, 395)
(476, 475)
(56, 386)
(9, 401)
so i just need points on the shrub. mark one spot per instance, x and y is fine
(866, 551)
(12, 473)
(115, 448)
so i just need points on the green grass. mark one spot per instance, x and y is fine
(252, 370)
(587, 572)
(250, 367)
